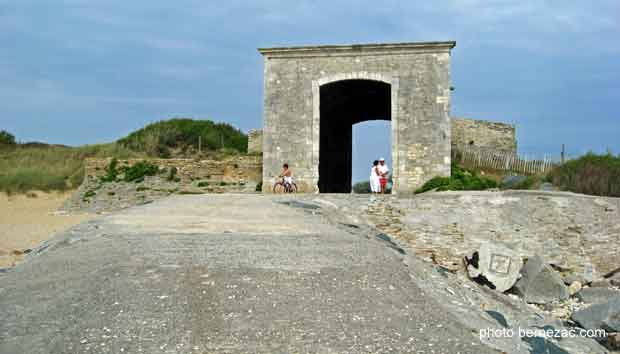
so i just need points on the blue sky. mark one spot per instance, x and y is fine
(86, 71)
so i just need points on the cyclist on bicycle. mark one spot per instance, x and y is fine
(287, 175)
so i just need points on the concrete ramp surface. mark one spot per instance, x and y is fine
(221, 274)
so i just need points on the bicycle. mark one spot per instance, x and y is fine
(284, 187)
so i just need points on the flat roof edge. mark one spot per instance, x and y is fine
(351, 48)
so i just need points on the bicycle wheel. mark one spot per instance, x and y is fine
(279, 188)
(292, 188)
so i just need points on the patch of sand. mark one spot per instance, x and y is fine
(26, 221)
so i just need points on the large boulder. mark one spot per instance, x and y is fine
(539, 283)
(604, 316)
(597, 295)
(495, 266)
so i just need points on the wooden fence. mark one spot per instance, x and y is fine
(478, 157)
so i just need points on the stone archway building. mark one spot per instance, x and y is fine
(314, 94)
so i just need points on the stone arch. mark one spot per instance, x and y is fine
(357, 75)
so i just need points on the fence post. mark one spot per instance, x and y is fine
(563, 155)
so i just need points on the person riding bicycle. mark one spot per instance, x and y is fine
(287, 175)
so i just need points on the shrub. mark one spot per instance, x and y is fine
(6, 138)
(460, 179)
(111, 172)
(259, 186)
(590, 174)
(361, 187)
(172, 174)
(89, 194)
(203, 184)
(138, 171)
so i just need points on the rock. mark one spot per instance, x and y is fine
(589, 273)
(615, 280)
(571, 278)
(602, 283)
(539, 284)
(546, 186)
(511, 181)
(604, 316)
(574, 288)
(495, 266)
(597, 295)
(613, 340)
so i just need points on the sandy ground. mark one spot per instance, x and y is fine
(26, 221)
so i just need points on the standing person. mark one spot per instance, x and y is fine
(375, 186)
(384, 172)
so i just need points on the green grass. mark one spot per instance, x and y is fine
(590, 174)
(460, 180)
(181, 136)
(43, 167)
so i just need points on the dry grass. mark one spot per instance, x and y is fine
(50, 168)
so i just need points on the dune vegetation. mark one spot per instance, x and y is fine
(590, 174)
(38, 166)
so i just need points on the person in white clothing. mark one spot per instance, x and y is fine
(375, 186)
(384, 173)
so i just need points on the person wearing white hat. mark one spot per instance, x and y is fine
(384, 172)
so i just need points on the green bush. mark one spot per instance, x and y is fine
(259, 186)
(181, 136)
(361, 187)
(172, 174)
(459, 180)
(203, 184)
(89, 194)
(111, 172)
(138, 171)
(6, 138)
(590, 174)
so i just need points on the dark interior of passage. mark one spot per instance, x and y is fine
(342, 104)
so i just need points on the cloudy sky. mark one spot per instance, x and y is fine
(86, 71)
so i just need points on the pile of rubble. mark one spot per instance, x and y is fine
(582, 300)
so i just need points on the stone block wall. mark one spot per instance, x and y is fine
(480, 133)
(240, 171)
(419, 78)
(255, 141)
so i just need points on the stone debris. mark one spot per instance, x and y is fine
(597, 295)
(613, 340)
(600, 316)
(494, 265)
(539, 284)
(601, 283)
(615, 280)
(574, 288)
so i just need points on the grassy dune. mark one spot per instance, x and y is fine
(590, 174)
(36, 166)
(45, 167)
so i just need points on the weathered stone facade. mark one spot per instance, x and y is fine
(255, 141)
(313, 95)
(480, 133)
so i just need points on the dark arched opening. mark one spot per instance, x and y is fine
(342, 104)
